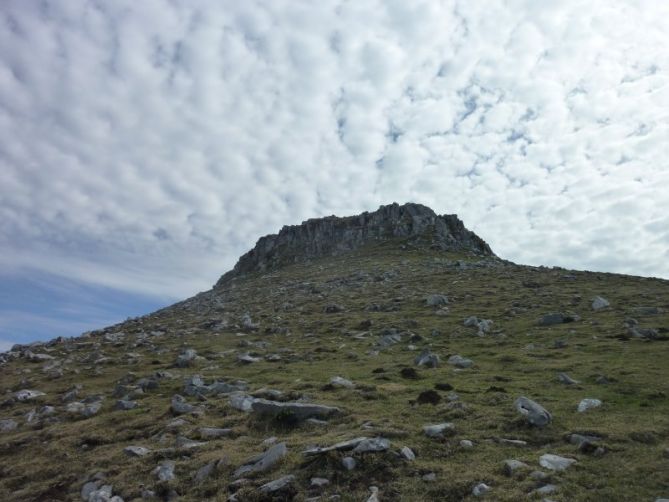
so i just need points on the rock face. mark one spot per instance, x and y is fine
(332, 235)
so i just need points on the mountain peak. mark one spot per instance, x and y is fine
(332, 235)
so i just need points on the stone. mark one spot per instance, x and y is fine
(204, 472)
(480, 490)
(293, 411)
(186, 358)
(338, 381)
(436, 300)
(124, 405)
(482, 326)
(247, 323)
(466, 444)
(185, 443)
(358, 445)
(429, 477)
(534, 413)
(88, 488)
(460, 362)
(374, 497)
(348, 463)
(588, 404)
(407, 454)
(566, 379)
(27, 394)
(213, 432)
(319, 482)
(390, 339)
(555, 462)
(439, 430)
(511, 466)
(599, 303)
(427, 359)
(165, 471)
(278, 485)
(263, 462)
(241, 401)
(546, 489)
(8, 425)
(102, 494)
(557, 318)
(247, 358)
(136, 451)
(179, 406)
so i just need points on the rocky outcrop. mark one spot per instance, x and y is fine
(332, 235)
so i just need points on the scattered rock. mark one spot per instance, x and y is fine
(293, 411)
(466, 444)
(555, 462)
(566, 379)
(179, 406)
(27, 394)
(8, 425)
(534, 413)
(599, 303)
(511, 466)
(480, 490)
(165, 471)
(338, 381)
(213, 432)
(283, 484)
(263, 462)
(460, 362)
(124, 405)
(557, 318)
(357, 445)
(319, 482)
(483, 326)
(427, 359)
(136, 451)
(407, 453)
(439, 430)
(587, 404)
(546, 489)
(348, 463)
(436, 300)
(247, 358)
(186, 358)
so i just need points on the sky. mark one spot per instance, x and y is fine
(147, 145)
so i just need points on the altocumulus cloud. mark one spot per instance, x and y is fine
(146, 145)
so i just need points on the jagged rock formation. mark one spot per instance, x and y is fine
(332, 235)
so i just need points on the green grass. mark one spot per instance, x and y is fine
(52, 461)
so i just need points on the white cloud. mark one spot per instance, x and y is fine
(146, 145)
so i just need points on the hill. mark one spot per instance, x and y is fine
(383, 355)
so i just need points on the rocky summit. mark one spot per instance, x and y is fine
(389, 356)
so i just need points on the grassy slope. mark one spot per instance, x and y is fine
(53, 461)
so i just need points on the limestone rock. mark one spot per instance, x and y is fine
(263, 462)
(534, 413)
(555, 462)
(332, 235)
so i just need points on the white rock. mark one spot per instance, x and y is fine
(407, 453)
(555, 462)
(588, 403)
(480, 490)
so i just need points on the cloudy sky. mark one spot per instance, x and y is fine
(146, 145)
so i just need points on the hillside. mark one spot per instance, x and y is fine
(344, 333)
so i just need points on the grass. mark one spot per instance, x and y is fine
(51, 461)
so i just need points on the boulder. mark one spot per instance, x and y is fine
(294, 411)
(599, 303)
(263, 462)
(511, 466)
(136, 451)
(534, 413)
(566, 379)
(460, 362)
(165, 471)
(407, 454)
(338, 381)
(277, 486)
(555, 462)
(348, 463)
(439, 430)
(436, 300)
(8, 425)
(27, 394)
(427, 359)
(587, 404)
